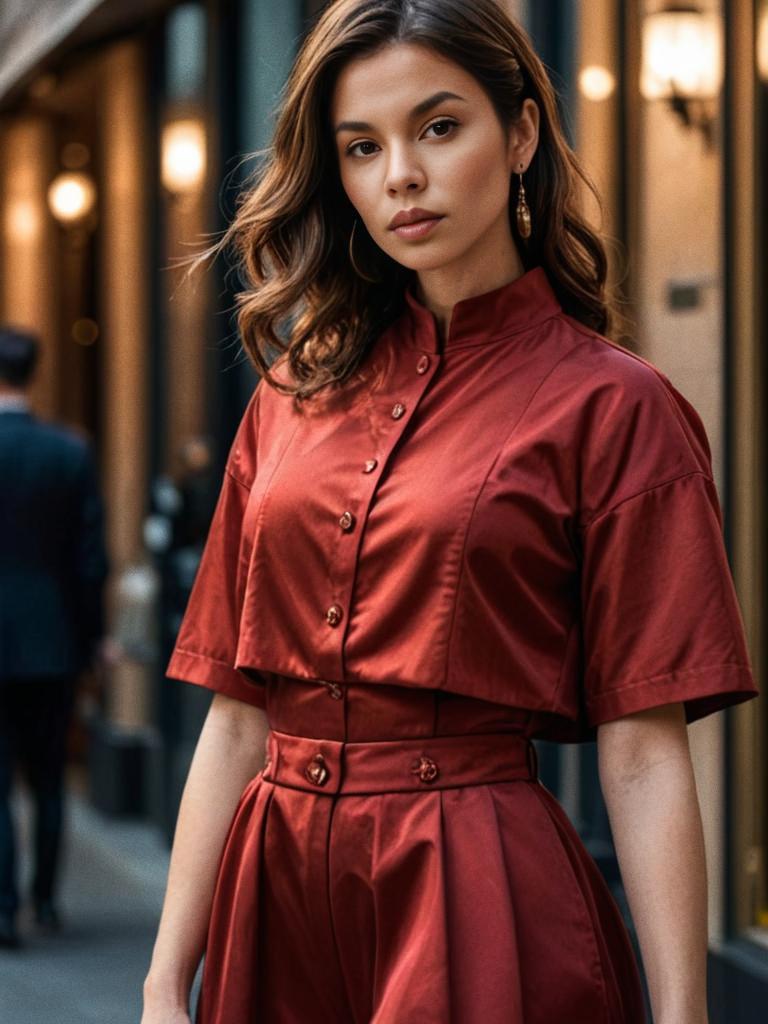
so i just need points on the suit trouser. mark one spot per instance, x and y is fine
(35, 714)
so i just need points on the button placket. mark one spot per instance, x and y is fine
(411, 379)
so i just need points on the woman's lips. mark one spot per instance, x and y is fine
(418, 228)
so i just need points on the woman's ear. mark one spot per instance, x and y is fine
(523, 137)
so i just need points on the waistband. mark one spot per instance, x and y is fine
(333, 767)
(364, 712)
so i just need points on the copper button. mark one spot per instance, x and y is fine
(397, 410)
(426, 769)
(370, 465)
(334, 614)
(423, 365)
(334, 690)
(346, 521)
(316, 770)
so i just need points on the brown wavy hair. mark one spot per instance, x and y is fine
(291, 230)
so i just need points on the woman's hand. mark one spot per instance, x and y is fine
(162, 1009)
(685, 1019)
(157, 1015)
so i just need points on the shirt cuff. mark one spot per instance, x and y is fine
(703, 691)
(202, 670)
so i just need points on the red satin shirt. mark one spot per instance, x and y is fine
(523, 513)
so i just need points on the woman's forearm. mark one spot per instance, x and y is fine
(657, 830)
(229, 753)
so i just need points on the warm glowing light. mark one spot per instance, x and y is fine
(71, 197)
(682, 55)
(22, 220)
(596, 82)
(183, 155)
(762, 45)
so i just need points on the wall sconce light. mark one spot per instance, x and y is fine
(71, 197)
(682, 63)
(596, 83)
(183, 155)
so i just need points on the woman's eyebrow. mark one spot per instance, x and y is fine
(420, 108)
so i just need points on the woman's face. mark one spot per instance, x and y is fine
(449, 157)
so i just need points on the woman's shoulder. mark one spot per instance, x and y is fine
(241, 461)
(621, 384)
(604, 364)
(622, 412)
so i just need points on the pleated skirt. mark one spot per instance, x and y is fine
(399, 861)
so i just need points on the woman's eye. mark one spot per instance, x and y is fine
(353, 147)
(435, 124)
(445, 120)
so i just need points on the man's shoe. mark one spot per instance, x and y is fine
(47, 916)
(9, 937)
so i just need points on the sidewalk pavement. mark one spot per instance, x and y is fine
(113, 875)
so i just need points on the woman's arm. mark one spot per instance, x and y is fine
(647, 780)
(229, 753)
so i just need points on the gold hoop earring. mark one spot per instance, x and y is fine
(523, 211)
(358, 271)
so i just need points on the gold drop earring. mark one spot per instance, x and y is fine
(523, 211)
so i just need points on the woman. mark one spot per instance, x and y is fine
(455, 518)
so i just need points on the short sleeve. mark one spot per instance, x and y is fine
(206, 643)
(661, 622)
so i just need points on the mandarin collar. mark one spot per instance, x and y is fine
(513, 307)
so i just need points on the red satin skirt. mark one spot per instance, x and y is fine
(398, 861)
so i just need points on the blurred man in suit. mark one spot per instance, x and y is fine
(53, 566)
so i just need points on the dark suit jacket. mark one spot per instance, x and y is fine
(53, 561)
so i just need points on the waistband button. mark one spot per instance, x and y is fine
(426, 769)
(316, 770)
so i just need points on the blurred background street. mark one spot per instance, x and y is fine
(113, 878)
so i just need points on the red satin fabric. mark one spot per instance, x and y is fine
(523, 512)
(425, 874)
